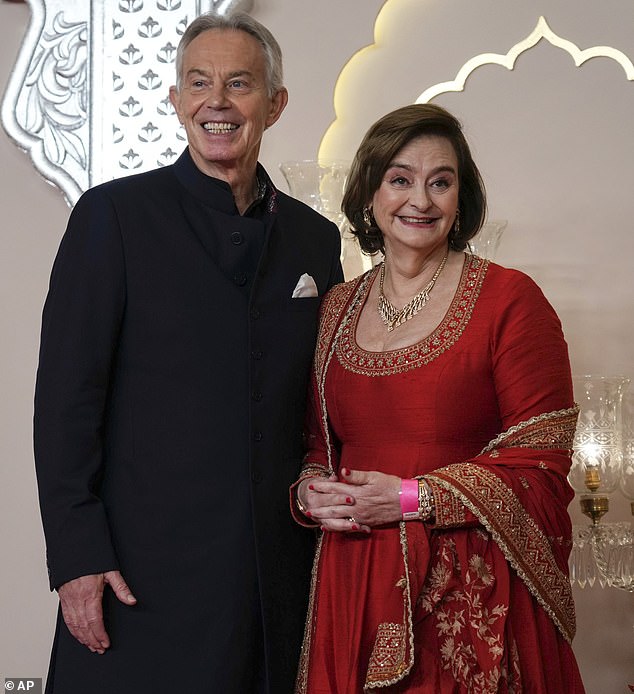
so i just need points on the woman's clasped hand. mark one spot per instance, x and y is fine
(356, 501)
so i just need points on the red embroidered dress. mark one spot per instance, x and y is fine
(479, 601)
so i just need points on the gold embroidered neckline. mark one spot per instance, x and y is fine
(354, 358)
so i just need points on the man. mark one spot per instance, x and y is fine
(176, 345)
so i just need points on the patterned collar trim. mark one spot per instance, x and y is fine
(354, 358)
(217, 193)
(267, 192)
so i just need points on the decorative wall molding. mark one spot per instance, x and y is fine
(88, 95)
(541, 31)
(334, 136)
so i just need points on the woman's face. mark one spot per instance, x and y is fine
(415, 205)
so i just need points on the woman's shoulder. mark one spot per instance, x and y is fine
(338, 297)
(510, 291)
(509, 279)
(343, 291)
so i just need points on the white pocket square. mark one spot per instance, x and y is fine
(305, 287)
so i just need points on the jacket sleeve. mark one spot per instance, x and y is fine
(80, 328)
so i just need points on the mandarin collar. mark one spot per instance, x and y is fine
(215, 192)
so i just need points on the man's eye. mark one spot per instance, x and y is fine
(237, 84)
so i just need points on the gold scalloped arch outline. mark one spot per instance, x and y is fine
(541, 31)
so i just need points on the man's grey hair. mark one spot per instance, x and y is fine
(240, 21)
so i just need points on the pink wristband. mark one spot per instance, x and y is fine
(408, 497)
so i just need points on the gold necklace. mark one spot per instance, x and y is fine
(393, 318)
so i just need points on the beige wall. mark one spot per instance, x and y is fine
(555, 146)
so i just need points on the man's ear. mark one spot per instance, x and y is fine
(278, 104)
(175, 101)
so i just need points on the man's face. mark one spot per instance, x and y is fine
(224, 103)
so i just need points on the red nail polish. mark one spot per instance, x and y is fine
(348, 500)
(355, 526)
(308, 514)
(346, 472)
(311, 487)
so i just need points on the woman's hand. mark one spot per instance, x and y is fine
(358, 502)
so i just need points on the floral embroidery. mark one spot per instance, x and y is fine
(522, 542)
(462, 616)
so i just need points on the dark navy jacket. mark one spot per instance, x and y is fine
(169, 407)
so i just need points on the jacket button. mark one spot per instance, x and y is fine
(240, 279)
(258, 436)
(257, 354)
(236, 238)
(255, 313)
(256, 477)
(256, 395)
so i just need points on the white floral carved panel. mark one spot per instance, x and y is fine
(88, 96)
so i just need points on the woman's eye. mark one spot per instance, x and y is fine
(399, 181)
(441, 183)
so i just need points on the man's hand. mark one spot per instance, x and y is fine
(81, 601)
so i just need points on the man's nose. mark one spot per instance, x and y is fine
(217, 96)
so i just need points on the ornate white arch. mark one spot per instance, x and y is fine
(541, 31)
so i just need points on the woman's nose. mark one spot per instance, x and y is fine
(419, 197)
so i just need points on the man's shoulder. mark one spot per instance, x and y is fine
(152, 181)
(291, 207)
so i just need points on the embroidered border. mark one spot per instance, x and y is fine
(394, 672)
(330, 312)
(548, 430)
(327, 340)
(449, 510)
(517, 534)
(301, 683)
(388, 652)
(358, 360)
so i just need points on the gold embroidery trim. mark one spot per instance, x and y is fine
(548, 430)
(327, 341)
(301, 683)
(450, 510)
(380, 675)
(522, 542)
(355, 359)
(388, 653)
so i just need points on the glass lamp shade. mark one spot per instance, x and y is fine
(319, 184)
(485, 243)
(597, 448)
(627, 467)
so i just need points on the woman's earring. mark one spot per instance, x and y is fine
(456, 223)
(367, 217)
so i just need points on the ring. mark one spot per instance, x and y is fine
(351, 519)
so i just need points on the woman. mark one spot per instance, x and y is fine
(438, 436)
